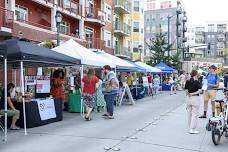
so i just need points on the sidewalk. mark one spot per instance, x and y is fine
(163, 119)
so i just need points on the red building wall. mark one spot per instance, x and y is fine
(37, 14)
(2, 3)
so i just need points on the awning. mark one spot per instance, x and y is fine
(120, 63)
(148, 68)
(135, 69)
(165, 68)
(86, 56)
(31, 53)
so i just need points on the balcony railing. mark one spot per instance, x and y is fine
(221, 39)
(95, 43)
(123, 5)
(95, 13)
(122, 27)
(49, 1)
(122, 51)
(71, 6)
(202, 59)
(34, 24)
(6, 18)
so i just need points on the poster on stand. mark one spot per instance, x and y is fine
(43, 86)
(46, 109)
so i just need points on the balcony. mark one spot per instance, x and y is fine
(122, 29)
(38, 32)
(6, 22)
(123, 52)
(95, 44)
(71, 7)
(95, 15)
(122, 7)
(221, 39)
(49, 3)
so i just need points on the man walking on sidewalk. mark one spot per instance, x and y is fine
(210, 93)
(110, 91)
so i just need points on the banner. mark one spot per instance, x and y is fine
(46, 109)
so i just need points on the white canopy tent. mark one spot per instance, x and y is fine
(87, 57)
(148, 67)
(120, 63)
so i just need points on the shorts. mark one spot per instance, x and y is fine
(210, 94)
(11, 113)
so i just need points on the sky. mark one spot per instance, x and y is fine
(201, 11)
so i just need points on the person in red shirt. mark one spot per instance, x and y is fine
(90, 83)
(150, 81)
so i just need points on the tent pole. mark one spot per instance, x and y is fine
(5, 92)
(23, 98)
(15, 76)
(82, 111)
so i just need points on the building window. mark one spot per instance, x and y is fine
(136, 27)
(147, 18)
(107, 38)
(136, 6)
(108, 12)
(21, 13)
(65, 27)
(135, 47)
(142, 30)
(148, 29)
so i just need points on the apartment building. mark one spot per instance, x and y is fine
(89, 22)
(166, 16)
(137, 35)
(122, 28)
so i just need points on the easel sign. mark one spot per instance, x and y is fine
(126, 91)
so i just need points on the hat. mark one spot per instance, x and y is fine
(213, 67)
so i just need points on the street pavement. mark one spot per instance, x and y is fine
(154, 124)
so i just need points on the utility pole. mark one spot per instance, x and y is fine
(169, 34)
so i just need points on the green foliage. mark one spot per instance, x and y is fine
(159, 49)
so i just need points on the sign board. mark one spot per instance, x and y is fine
(46, 109)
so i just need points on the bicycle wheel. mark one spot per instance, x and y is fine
(216, 136)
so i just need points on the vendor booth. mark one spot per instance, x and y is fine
(166, 70)
(33, 100)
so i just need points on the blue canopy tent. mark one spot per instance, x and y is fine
(165, 68)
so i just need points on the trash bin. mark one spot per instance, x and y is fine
(74, 102)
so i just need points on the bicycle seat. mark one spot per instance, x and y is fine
(219, 101)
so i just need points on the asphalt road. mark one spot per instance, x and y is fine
(153, 124)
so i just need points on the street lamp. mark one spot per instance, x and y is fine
(58, 19)
(169, 18)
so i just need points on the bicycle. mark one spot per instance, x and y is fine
(218, 125)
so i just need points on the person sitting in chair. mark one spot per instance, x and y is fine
(12, 111)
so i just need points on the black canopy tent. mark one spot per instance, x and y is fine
(18, 54)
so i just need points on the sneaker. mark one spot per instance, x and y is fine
(192, 131)
(203, 116)
(105, 115)
(109, 117)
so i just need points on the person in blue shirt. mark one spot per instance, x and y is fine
(210, 94)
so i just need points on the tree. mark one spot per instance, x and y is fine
(159, 49)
